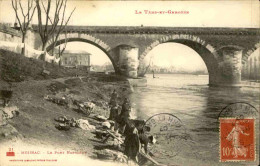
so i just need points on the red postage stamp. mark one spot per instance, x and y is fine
(237, 139)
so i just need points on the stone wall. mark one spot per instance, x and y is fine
(9, 34)
(11, 38)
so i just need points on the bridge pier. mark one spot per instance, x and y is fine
(231, 66)
(128, 61)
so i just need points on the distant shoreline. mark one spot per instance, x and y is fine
(177, 73)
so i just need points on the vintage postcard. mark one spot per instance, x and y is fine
(110, 83)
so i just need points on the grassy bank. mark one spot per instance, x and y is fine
(35, 124)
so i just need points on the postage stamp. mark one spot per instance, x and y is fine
(237, 123)
(237, 139)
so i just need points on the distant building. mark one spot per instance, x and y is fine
(251, 68)
(72, 58)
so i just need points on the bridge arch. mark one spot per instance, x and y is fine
(77, 37)
(250, 51)
(207, 52)
(178, 38)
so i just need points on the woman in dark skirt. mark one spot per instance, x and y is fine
(132, 144)
(114, 112)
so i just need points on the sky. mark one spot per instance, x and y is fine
(201, 13)
(177, 55)
(123, 13)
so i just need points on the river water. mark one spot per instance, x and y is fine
(197, 105)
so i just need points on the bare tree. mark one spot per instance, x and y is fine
(61, 50)
(27, 16)
(55, 24)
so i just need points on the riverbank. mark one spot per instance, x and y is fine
(35, 124)
(32, 133)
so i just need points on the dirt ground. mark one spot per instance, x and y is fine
(32, 81)
(35, 125)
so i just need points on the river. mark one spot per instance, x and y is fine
(197, 105)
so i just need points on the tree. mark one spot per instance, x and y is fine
(53, 25)
(26, 17)
(61, 50)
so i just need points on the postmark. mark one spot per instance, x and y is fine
(237, 139)
(169, 132)
(239, 110)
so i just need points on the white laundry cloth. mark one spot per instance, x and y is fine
(89, 105)
(10, 111)
(83, 124)
(56, 60)
(11, 46)
(32, 53)
(49, 58)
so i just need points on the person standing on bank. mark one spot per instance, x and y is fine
(114, 112)
(113, 98)
(113, 106)
(125, 107)
(132, 143)
(145, 140)
(124, 115)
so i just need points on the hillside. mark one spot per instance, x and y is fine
(35, 124)
(17, 68)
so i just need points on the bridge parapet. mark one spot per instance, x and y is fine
(159, 30)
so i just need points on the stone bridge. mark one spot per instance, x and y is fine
(223, 50)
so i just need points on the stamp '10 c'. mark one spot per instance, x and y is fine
(237, 139)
